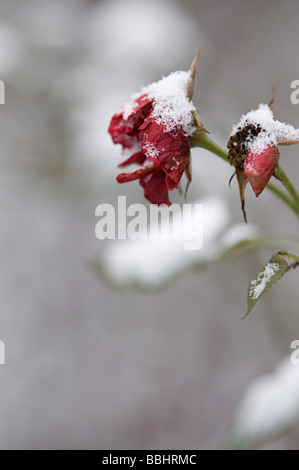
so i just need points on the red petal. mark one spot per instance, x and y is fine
(138, 157)
(140, 103)
(260, 168)
(125, 132)
(150, 118)
(134, 175)
(168, 150)
(121, 132)
(155, 189)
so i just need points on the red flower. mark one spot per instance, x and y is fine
(259, 168)
(162, 154)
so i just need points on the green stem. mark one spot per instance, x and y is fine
(201, 139)
(288, 185)
(290, 256)
(281, 195)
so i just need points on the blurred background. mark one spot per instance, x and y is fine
(92, 366)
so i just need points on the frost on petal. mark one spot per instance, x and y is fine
(171, 105)
(134, 109)
(155, 189)
(260, 167)
(169, 151)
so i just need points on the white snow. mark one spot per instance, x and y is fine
(151, 263)
(236, 234)
(272, 130)
(258, 285)
(151, 150)
(270, 405)
(171, 104)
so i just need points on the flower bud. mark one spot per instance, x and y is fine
(260, 167)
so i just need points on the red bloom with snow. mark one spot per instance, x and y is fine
(154, 129)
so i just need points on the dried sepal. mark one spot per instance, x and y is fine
(188, 173)
(271, 104)
(242, 180)
(191, 81)
(287, 142)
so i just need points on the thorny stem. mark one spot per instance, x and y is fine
(201, 139)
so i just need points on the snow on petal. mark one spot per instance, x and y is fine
(171, 106)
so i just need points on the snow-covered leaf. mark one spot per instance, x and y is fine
(269, 275)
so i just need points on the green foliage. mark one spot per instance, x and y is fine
(279, 264)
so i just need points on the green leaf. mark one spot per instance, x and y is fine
(268, 276)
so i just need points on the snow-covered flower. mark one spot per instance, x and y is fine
(253, 148)
(154, 129)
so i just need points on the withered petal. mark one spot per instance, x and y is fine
(169, 151)
(155, 189)
(259, 168)
(137, 157)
